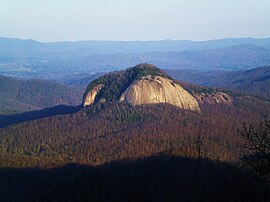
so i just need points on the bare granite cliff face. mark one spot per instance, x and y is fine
(157, 89)
(147, 84)
(90, 97)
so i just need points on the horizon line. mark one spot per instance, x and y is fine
(111, 40)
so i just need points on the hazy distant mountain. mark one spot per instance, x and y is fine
(24, 95)
(79, 80)
(255, 81)
(112, 47)
(28, 58)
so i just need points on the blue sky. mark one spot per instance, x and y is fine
(73, 20)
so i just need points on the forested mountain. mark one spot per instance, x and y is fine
(147, 151)
(19, 95)
(114, 129)
(142, 84)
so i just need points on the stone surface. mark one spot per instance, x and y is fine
(151, 90)
(213, 98)
(90, 97)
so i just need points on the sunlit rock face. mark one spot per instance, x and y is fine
(156, 89)
(142, 84)
(90, 97)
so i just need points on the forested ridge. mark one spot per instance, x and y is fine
(116, 152)
(112, 131)
(19, 95)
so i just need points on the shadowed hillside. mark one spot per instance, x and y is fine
(159, 178)
(6, 120)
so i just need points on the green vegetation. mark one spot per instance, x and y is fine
(143, 70)
(117, 82)
(200, 89)
(193, 88)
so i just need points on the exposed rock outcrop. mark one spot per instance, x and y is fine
(146, 84)
(157, 89)
(90, 97)
(213, 98)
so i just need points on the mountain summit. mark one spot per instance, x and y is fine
(142, 84)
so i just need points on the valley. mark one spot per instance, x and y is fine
(123, 124)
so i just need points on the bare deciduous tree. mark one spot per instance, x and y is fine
(257, 148)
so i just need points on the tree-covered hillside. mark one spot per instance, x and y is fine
(113, 131)
(19, 95)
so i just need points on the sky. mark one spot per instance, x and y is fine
(74, 20)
